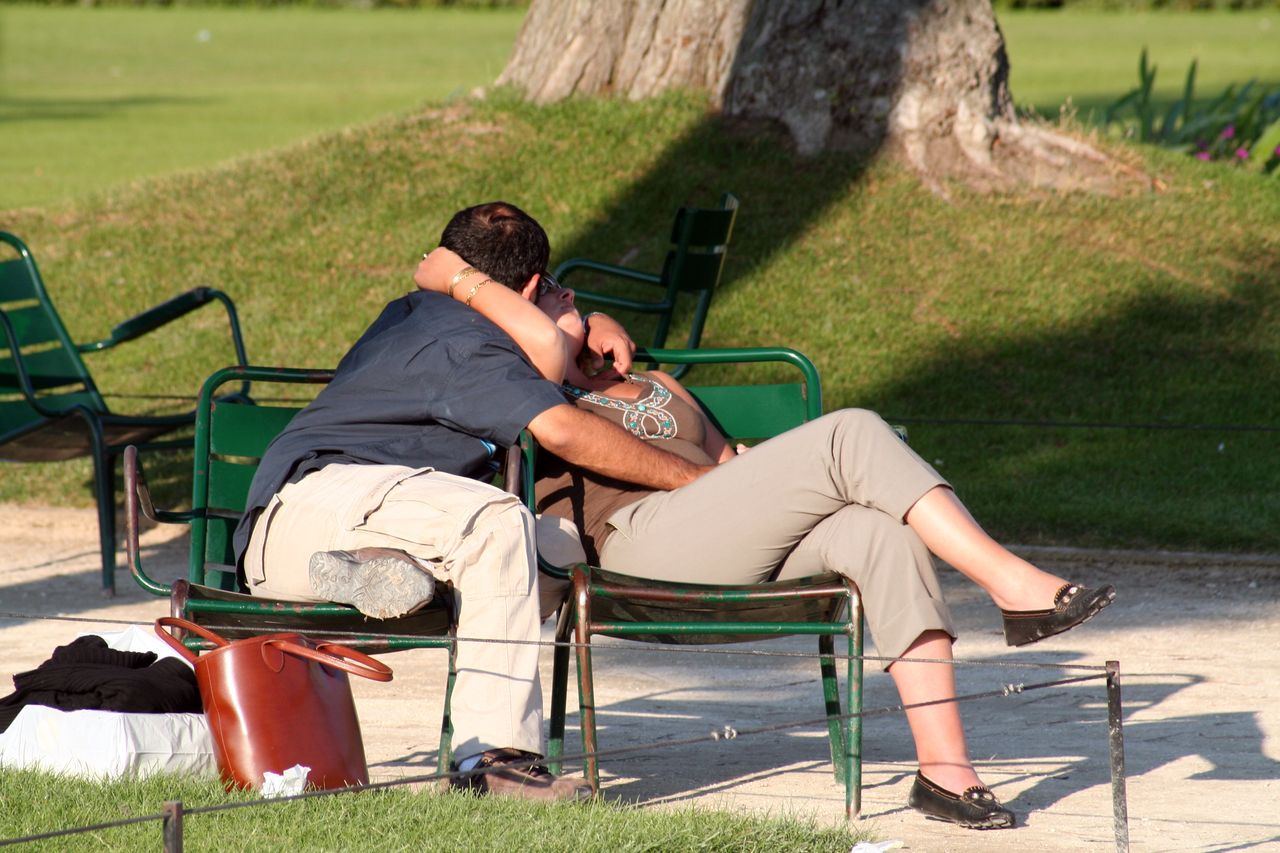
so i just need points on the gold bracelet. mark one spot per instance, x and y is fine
(475, 290)
(458, 277)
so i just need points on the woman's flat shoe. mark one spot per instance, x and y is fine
(1071, 606)
(976, 808)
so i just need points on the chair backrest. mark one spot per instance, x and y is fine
(231, 437)
(699, 245)
(757, 411)
(699, 241)
(29, 324)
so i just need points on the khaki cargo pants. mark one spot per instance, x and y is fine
(474, 537)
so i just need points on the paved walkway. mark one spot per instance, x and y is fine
(1197, 637)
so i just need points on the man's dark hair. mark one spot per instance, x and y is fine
(500, 240)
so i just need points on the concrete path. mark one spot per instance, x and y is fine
(1197, 637)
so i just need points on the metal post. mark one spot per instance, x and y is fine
(1115, 731)
(172, 826)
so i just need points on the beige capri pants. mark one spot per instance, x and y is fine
(830, 495)
(474, 537)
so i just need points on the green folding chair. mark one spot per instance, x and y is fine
(50, 407)
(699, 242)
(614, 605)
(230, 438)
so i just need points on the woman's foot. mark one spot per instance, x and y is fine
(974, 808)
(1072, 605)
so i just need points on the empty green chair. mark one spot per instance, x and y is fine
(50, 407)
(691, 271)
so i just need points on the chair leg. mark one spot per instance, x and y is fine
(853, 680)
(444, 757)
(104, 480)
(586, 691)
(831, 697)
(559, 689)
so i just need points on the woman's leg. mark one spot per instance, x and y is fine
(950, 532)
(936, 729)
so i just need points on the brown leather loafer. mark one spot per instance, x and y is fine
(511, 772)
(1073, 605)
(976, 808)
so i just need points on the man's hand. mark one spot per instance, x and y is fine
(607, 339)
(596, 444)
(437, 269)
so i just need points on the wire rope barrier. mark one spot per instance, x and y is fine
(175, 812)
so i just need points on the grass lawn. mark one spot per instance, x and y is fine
(392, 819)
(1154, 308)
(91, 98)
(1092, 57)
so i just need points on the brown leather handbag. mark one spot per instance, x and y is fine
(278, 700)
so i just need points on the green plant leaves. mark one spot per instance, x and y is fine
(1231, 126)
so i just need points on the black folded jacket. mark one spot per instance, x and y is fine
(85, 674)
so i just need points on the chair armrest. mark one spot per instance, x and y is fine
(167, 312)
(574, 264)
(609, 301)
(137, 500)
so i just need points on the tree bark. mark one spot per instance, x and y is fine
(925, 80)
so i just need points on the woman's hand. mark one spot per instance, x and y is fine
(438, 267)
(607, 339)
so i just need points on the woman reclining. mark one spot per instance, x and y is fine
(842, 493)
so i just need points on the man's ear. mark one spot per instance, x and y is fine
(530, 289)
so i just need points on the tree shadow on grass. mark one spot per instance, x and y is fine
(64, 109)
(1154, 422)
(781, 196)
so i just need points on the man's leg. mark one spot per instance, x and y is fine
(476, 538)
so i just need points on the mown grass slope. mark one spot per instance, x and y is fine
(1155, 307)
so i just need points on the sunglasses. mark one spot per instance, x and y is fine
(547, 284)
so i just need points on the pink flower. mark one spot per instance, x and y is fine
(1228, 132)
(1203, 155)
(1242, 153)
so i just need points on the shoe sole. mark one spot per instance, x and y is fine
(1097, 607)
(967, 824)
(383, 588)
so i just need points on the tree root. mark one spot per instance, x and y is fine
(1008, 156)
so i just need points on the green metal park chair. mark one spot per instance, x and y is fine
(50, 407)
(606, 603)
(699, 242)
(230, 439)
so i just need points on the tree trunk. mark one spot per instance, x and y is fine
(926, 80)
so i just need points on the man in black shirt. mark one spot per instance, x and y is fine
(376, 489)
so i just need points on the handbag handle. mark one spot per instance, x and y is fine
(336, 656)
(186, 625)
(327, 654)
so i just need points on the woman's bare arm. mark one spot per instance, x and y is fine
(533, 331)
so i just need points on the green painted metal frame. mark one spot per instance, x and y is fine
(700, 240)
(828, 605)
(56, 387)
(230, 436)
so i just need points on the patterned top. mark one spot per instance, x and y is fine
(647, 417)
(588, 499)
